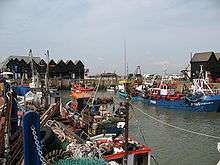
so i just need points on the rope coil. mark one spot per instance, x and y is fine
(59, 131)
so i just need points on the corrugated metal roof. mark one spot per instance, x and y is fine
(76, 62)
(199, 57)
(52, 62)
(217, 55)
(59, 61)
(36, 59)
(27, 59)
(67, 61)
(70, 62)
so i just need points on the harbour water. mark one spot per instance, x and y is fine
(175, 147)
(171, 146)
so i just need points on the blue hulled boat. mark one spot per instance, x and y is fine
(205, 104)
(125, 95)
(203, 98)
(21, 90)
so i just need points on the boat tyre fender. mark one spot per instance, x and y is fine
(47, 135)
(48, 140)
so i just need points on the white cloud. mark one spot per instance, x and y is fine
(94, 30)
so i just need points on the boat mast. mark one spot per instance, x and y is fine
(46, 81)
(127, 90)
(125, 60)
(47, 70)
(32, 65)
(198, 84)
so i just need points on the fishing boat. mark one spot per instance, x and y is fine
(80, 87)
(22, 89)
(202, 99)
(68, 136)
(111, 142)
(113, 150)
(111, 88)
(134, 96)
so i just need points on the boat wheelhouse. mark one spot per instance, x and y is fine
(167, 89)
(163, 91)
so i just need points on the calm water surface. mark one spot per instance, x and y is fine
(171, 146)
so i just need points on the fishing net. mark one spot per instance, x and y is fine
(81, 161)
(83, 150)
(63, 145)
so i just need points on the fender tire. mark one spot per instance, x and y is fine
(47, 135)
(49, 140)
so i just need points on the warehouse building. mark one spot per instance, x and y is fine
(209, 62)
(21, 67)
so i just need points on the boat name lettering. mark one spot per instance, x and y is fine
(199, 103)
(153, 102)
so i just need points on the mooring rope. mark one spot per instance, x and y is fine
(93, 95)
(171, 125)
(97, 88)
(139, 126)
(176, 127)
(140, 130)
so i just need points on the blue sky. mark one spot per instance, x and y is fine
(159, 33)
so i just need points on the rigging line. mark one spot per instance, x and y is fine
(96, 89)
(140, 130)
(176, 127)
(91, 97)
(138, 125)
(173, 126)
(154, 159)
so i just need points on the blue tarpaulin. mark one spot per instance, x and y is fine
(22, 90)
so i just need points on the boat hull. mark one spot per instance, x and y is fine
(110, 90)
(85, 89)
(21, 90)
(204, 104)
(125, 95)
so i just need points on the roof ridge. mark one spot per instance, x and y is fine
(202, 56)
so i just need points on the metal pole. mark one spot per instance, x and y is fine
(46, 80)
(126, 124)
(126, 133)
(125, 59)
(32, 65)
(47, 70)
